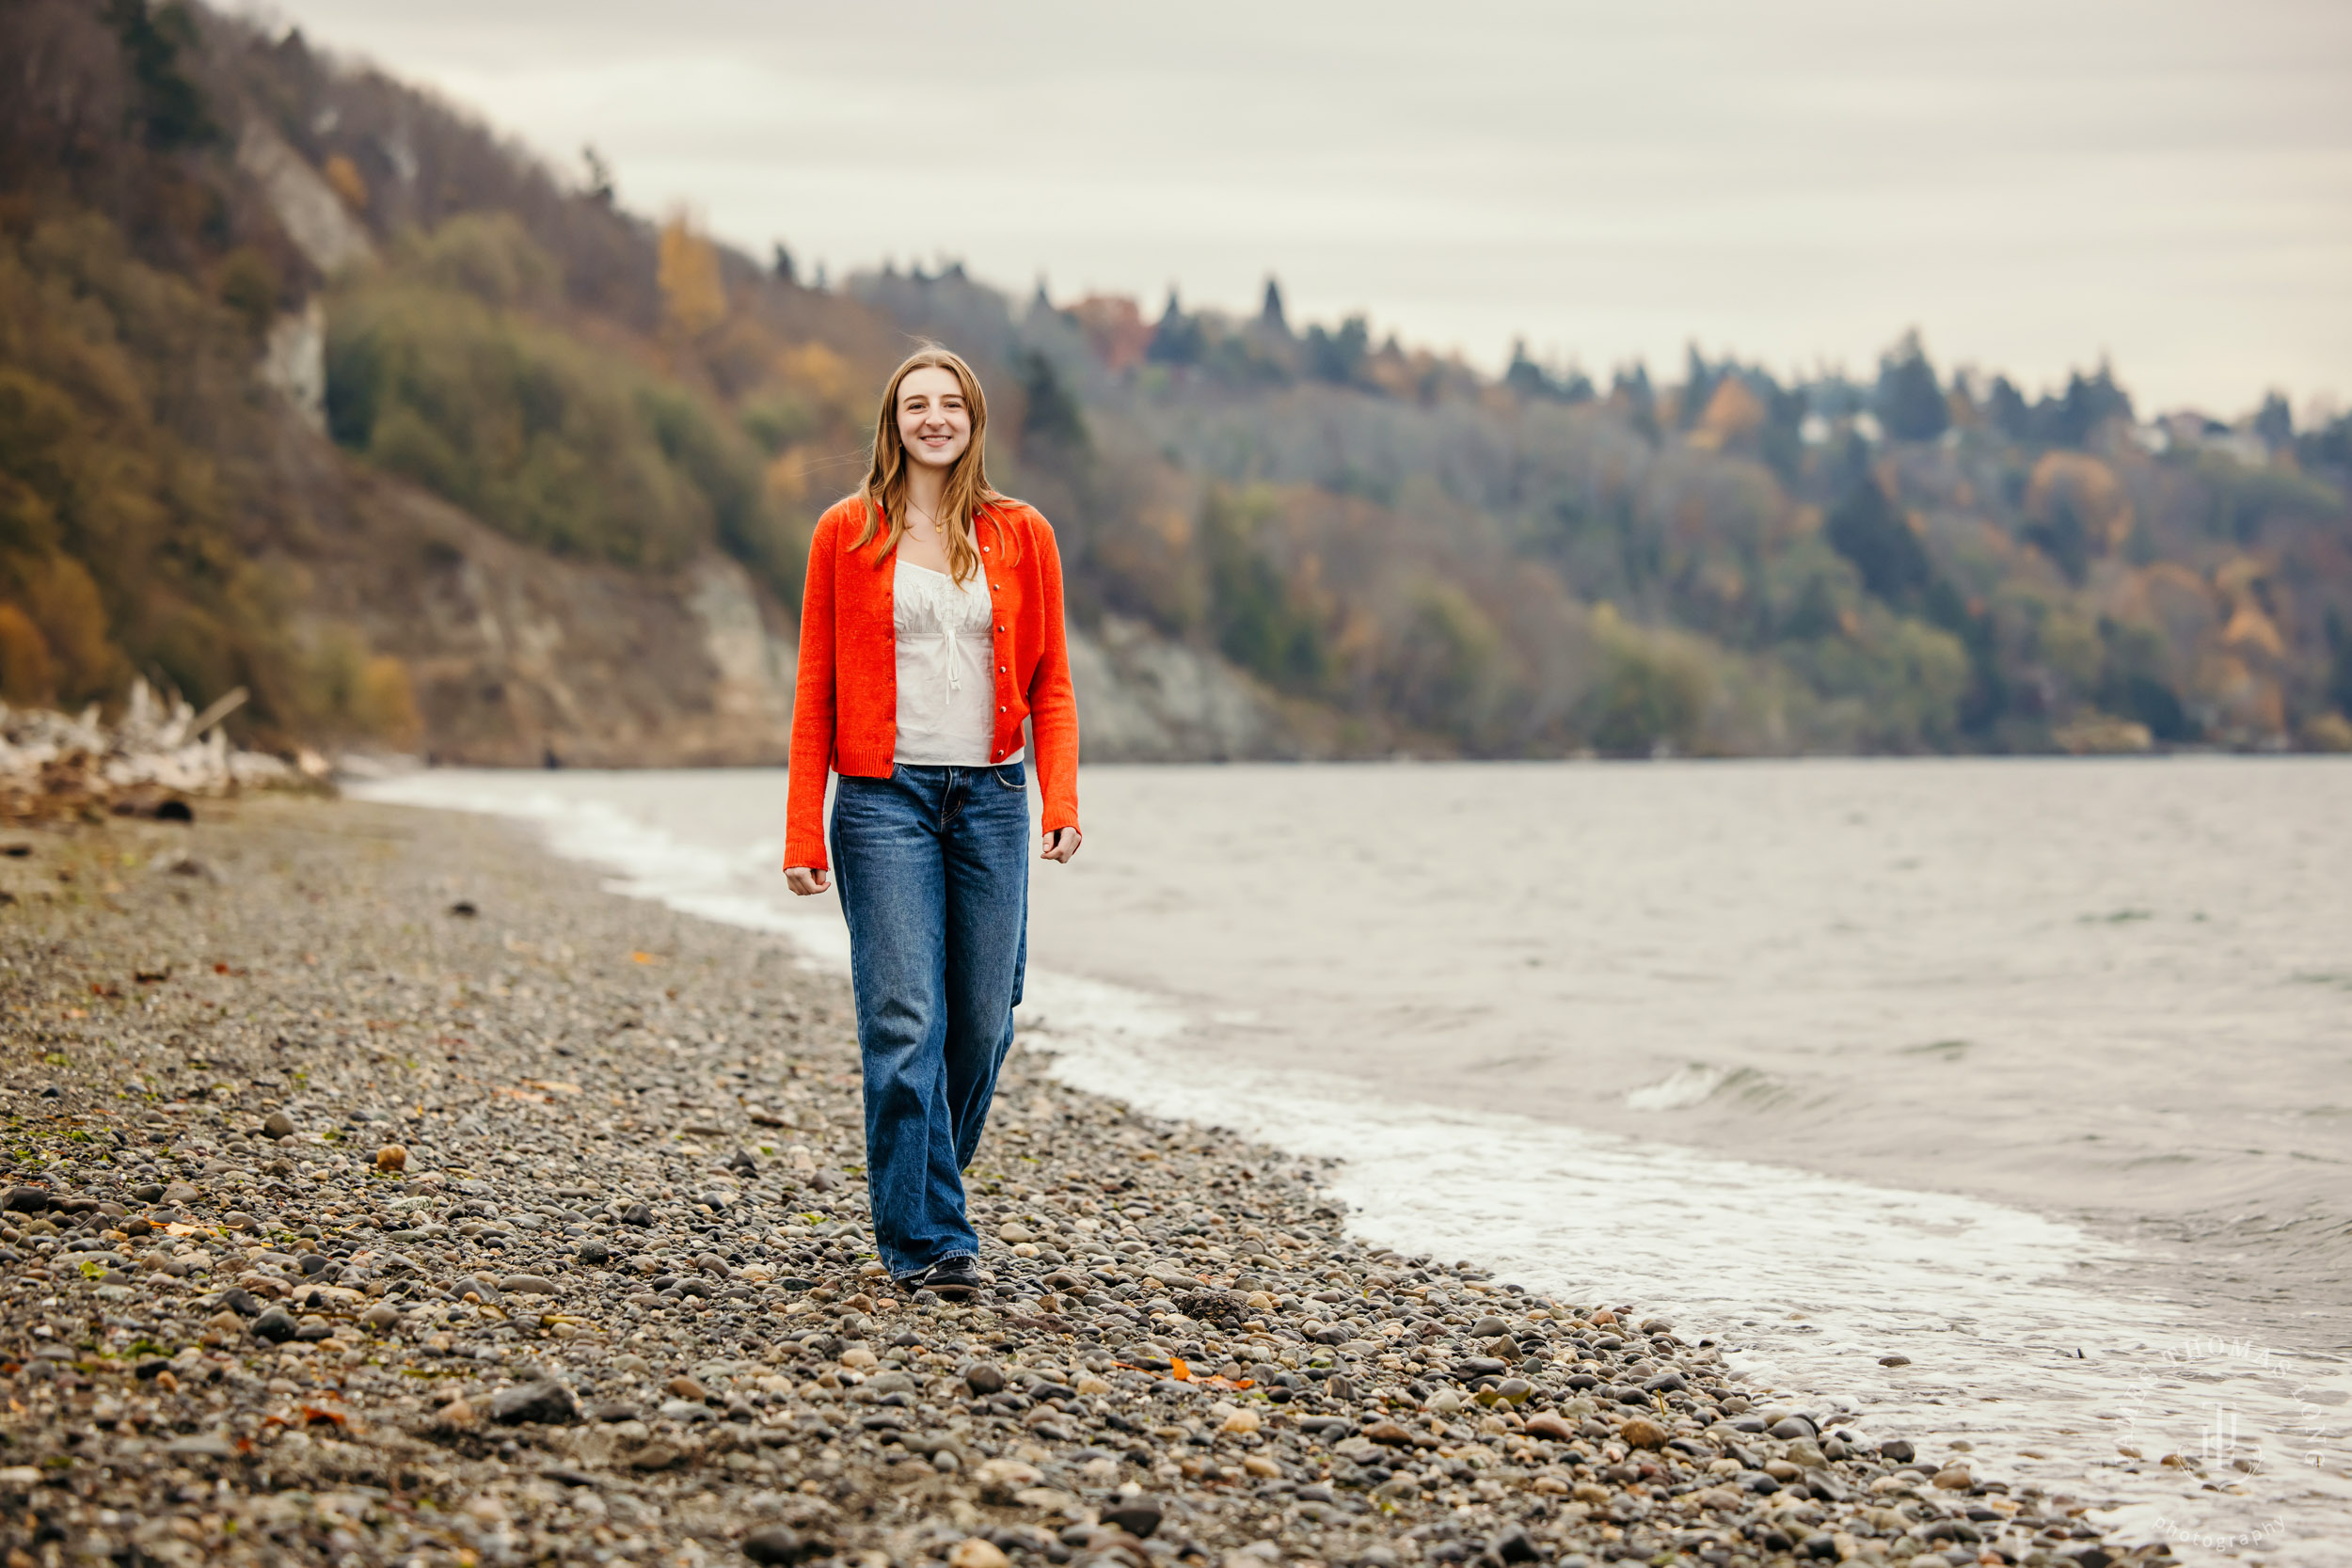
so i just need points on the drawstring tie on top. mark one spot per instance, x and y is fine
(949, 635)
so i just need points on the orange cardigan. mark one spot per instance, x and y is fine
(844, 708)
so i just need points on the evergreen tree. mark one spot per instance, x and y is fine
(1869, 530)
(1051, 416)
(1633, 389)
(2089, 402)
(171, 111)
(1338, 356)
(1698, 386)
(597, 176)
(1270, 314)
(1784, 426)
(1530, 380)
(2275, 424)
(1179, 339)
(1525, 376)
(2006, 408)
(1911, 403)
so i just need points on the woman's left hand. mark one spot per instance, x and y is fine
(1061, 844)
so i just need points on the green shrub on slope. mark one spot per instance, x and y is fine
(437, 370)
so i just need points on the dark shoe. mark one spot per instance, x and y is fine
(956, 1278)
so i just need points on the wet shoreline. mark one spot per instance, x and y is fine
(404, 1194)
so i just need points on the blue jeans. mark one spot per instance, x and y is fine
(933, 868)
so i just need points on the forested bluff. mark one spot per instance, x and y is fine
(311, 384)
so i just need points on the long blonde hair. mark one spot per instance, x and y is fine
(967, 494)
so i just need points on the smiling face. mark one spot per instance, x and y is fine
(935, 421)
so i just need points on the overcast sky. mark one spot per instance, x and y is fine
(2032, 183)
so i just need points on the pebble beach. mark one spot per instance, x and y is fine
(382, 1190)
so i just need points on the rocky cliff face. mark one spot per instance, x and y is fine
(522, 659)
(1142, 698)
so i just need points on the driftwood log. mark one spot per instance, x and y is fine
(150, 761)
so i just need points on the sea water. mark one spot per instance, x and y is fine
(2031, 1077)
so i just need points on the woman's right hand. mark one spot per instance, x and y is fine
(807, 881)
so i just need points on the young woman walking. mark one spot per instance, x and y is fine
(930, 628)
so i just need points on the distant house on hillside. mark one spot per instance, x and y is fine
(2189, 431)
(1818, 429)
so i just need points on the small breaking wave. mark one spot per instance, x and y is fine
(1687, 1085)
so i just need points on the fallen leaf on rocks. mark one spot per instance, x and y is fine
(1643, 1432)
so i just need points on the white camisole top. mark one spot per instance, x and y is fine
(947, 694)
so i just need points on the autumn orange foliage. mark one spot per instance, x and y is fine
(1115, 328)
